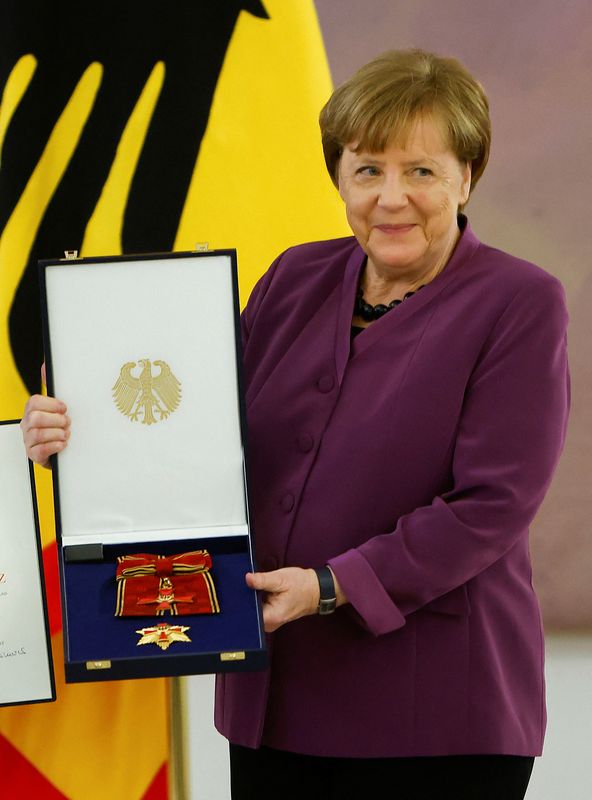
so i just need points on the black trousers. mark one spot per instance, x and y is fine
(268, 774)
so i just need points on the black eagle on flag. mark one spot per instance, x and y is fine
(127, 38)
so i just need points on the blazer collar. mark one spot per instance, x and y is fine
(463, 252)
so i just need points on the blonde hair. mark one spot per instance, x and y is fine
(382, 101)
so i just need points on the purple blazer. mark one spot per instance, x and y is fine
(412, 460)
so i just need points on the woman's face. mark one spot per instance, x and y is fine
(402, 204)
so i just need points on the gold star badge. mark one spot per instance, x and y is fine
(163, 635)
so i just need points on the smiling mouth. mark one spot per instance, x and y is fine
(403, 228)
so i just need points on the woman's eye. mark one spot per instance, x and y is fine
(368, 171)
(422, 172)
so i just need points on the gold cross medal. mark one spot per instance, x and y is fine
(163, 635)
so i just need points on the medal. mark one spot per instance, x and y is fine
(155, 585)
(165, 599)
(163, 635)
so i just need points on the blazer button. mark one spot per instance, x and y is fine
(269, 563)
(287, 502)
(325, 383)
(305, 442)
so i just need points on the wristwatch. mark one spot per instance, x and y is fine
(327, 598)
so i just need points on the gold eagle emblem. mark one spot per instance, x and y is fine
(148, 398)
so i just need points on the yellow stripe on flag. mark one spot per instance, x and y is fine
(16, 86)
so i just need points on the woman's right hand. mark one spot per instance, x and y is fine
(46, 428)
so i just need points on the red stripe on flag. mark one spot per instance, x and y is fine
(52, 586)
(158, 789)
(21, 779)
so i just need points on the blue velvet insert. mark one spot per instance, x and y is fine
(94, 633)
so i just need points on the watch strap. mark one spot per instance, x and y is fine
(327, 596)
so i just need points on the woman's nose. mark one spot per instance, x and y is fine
(392, 192)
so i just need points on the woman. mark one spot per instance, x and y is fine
(407, 396)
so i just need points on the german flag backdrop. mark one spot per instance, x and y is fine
(127, 127)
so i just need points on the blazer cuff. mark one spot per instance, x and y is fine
(367, 596)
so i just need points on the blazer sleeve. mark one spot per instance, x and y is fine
(510, 436)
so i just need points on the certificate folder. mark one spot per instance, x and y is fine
(26, 668)
(151, 494)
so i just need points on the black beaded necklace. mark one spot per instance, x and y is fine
(370, 313)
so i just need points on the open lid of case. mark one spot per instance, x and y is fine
(26, 667)
(144, 351)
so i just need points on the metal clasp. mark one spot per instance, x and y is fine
(98, 665)
(238, 655)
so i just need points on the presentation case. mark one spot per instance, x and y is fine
(26, 668)
(151, 493)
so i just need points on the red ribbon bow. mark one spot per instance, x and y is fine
(163, 566)
(149, 585)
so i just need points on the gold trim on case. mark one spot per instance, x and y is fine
(237, 655)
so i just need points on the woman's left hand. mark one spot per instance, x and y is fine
(290, 593)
